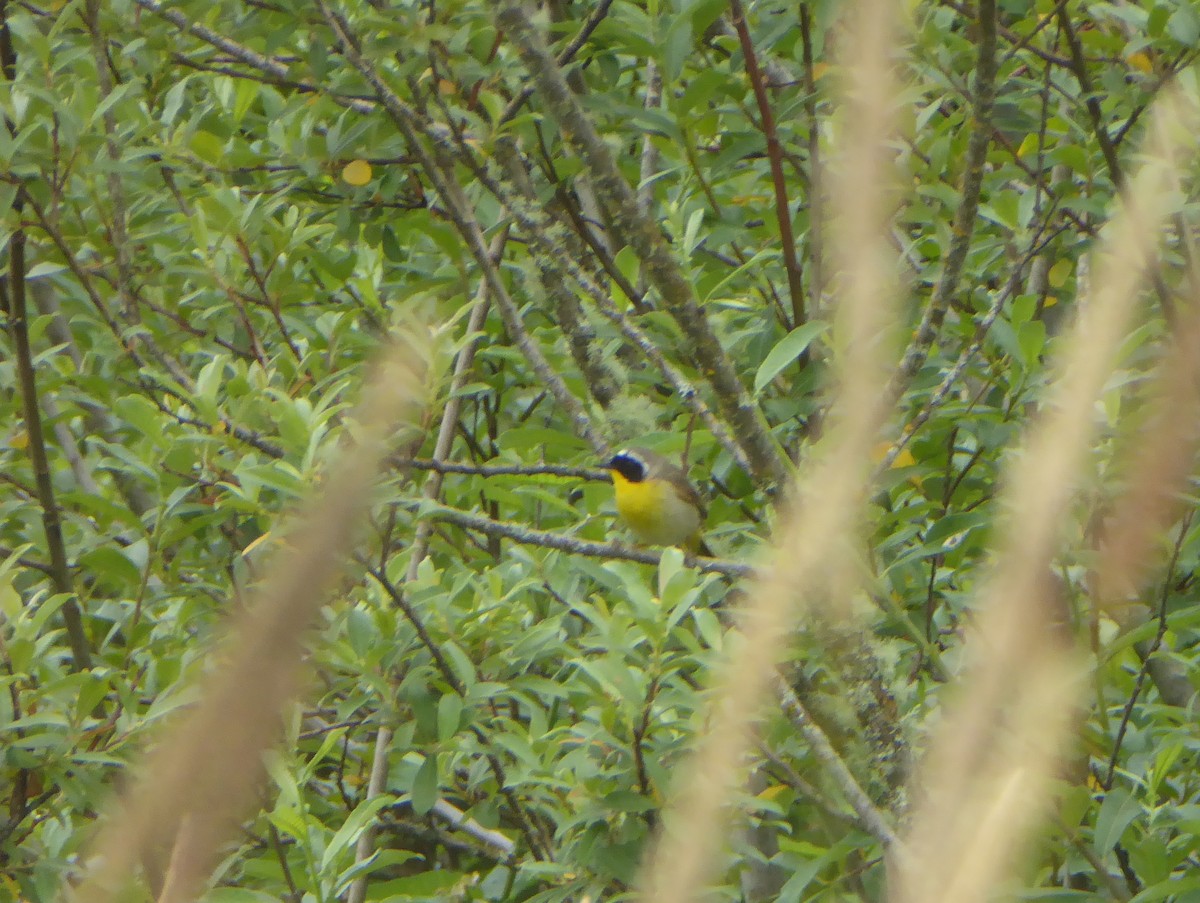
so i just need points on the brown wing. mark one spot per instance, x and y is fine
(682, 485)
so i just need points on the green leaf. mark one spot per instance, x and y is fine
(377, 861)
(208, 147)
(1184, 25)
(449, 716)
(360, 820)
(433, 884)
(425, 785)
(1117, 812)
(788, 349)
(1171, 888)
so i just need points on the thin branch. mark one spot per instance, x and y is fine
(1078, 66)
(118, 227)
(816, 179)
(23, 561)
(602, 383)
(869, 815)
(524, 819)
(1156, 644)
(294, 895)
(542, 231)
(968, 206)
(564, 543)
(81, 276)
(1019, 42)
(783, 211)
(486, 836)
(250, 57)
(1107, 148)
(249, 437)
(595, 17)
(954, 374)
(644, 235)
(506, 470)
(18, 326)
(461, 213)
(788, 775)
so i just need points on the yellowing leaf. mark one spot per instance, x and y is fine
(1028, 146)
(904, 459)
(1141, 62)
(356, 172)
(10, 599)
(819, 69)
(1059, 274)
(446, 87)
(771, 792)
(19, 440)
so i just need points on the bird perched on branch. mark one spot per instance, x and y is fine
(657, 501)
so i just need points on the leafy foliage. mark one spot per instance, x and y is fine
(224, 221)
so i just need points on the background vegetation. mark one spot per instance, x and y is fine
(611, 223)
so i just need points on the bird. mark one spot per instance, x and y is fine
(657, 501)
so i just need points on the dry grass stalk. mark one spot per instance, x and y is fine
(987, 777)
(1163, 455)
(206, 767)
(814, 542)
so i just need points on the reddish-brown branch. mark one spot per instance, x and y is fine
(783, 212)
(18, 327)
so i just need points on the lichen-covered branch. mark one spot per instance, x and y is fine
(963, 226)
(468, 227)
(643, 234)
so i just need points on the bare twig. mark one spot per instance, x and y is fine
(486, 836)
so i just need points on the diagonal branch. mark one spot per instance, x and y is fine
(459, 209)
(643, 234)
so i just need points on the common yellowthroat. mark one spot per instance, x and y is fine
(656, 500)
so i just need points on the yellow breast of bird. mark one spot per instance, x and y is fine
(655, 512)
